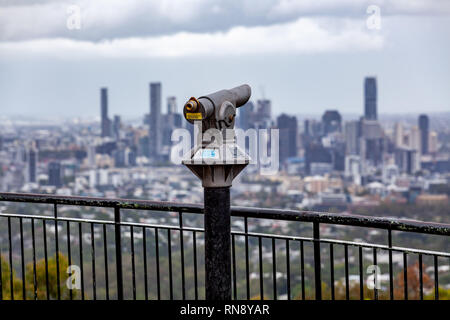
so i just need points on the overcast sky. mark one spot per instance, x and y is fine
(306, 56)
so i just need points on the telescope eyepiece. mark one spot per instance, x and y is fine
(192, 104)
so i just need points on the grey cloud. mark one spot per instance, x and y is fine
(110, 19)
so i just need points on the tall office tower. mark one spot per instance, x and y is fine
(331, 120)
(91, 156)
(318, 159)
(373, 141)
(307, 128)
(245, 114)
(170, 121)
(116, 127)
(54, 174)
(398, 134)
(407, 160)
(155, 133)
(370, 98)
(171, 105)
(265, 108)
(31, 164)
(288, 136)
(119, 156)
(352, 134)
(105, 122)
(433, 142)
(415, 138)
(424, 127)
(262, 118)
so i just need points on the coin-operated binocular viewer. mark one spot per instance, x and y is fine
(217, 160)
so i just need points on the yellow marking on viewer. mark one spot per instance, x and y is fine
(194, 116)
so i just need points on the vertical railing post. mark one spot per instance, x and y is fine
(317, 262)
(391, 271)
(217, 243)
(55, 213)
(118, 241)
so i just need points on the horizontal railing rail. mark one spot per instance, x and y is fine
(261, 213)
(138, 247)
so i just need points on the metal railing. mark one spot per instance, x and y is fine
(144, 271)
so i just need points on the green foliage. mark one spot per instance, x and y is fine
(41, 287)
(6, 282)
(52, 278)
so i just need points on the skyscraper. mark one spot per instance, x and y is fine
(398, 134)
(288, 136)
(155, 133)
(331, 120)
(262, 118)
(352, 134)
(433, 142)
(31, 164)
(171, 105)
(54, 174)
(245, 112)
(170, 121)
(116, 127)
(105, 122)
(424, 124)
(370, 98)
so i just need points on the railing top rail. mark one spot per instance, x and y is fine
(276, 214)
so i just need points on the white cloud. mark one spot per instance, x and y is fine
(304, 36)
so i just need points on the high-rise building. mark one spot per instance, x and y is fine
(352, 134)
(398, 134)
(174, 119)
(353, 168)
(265, 108)
(433, 142)
(155, 134)
(245, 112)
(54, 174)
(415, 139)
(424, 127)
(262, 117)
(331, 120)
(131, 154)
(116, 127)
(171, 105)
(372, 142)
(407, 160)
(31, 164)
(91, 156)
(307, 128)
(317, 159)
(105, 121)
(170, 121)
(288, 136)
(370, 98)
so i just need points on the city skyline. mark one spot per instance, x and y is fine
(318, 67)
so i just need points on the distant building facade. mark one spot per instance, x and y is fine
(370, 98)
(155, 134)
(288, 136)
(424, 127)
(105, 121)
